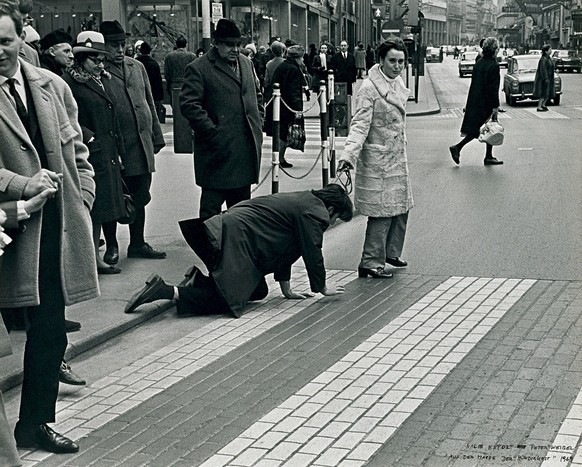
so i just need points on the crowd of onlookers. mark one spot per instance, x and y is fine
(83, 114)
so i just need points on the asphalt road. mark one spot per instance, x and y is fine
(519, 220)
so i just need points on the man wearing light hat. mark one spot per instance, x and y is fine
(56, 51)
(221, 98)
(142, 137)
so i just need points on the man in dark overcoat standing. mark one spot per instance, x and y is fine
(222, 100)
(142, 137)
(343, 64)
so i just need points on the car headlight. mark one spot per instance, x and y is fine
(515, 85)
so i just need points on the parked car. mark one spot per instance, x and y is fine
(502, 58)
(534, 52)
(449, 49)
(567, 60)
(432, 54)
(467, 63)
(518, 83)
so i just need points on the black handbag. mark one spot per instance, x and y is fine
(129, 206)
(296, 135)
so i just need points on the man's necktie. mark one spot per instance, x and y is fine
(20, 108)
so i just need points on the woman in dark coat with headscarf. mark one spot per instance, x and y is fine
(101, 133)
(482, 102)
(291, 79)
(544, 88)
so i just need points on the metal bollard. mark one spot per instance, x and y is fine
(324, 133)
(276, 138)
(331, 87)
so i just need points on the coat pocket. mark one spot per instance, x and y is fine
(67, 133)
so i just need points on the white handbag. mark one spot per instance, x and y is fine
(491, 133)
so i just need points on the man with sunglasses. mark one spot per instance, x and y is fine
(222, 100)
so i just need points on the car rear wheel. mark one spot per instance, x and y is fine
(461, 74)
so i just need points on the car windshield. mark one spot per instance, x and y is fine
(526, 64)
(470, 55)
(567, 53)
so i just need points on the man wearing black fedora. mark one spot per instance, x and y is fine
(142, 137)
(222, 100)
(56, 51)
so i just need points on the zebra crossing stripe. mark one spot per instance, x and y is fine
(346, 414)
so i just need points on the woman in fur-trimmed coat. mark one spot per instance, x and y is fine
(102, 135)
(376, 146)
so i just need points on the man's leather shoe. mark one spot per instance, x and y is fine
(145, 251)
(377, 273)
(111, 255)
(72, 326)
(492, 161)
(45, 438)
(285, 164)
(67, 376)
(108, 270)
(149, 293)
(455, 154)
(396, 262)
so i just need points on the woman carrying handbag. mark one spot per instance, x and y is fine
(290, 76)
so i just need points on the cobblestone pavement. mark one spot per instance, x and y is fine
(418, 370)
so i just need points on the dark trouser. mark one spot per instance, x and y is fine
(384, 239)
(203, 297)
(139, 188)
(468, 138)
(46, 339)
(211, 199)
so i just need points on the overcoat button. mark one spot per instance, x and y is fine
(23, 147)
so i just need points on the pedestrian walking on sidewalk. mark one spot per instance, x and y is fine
(319, 67)
(261, 236)
(482, 102)
(52, 264)
(222, 100)
(360, 55)
(544, 88)
(376, 147)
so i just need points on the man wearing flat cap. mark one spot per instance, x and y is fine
(221, 98)
(142, 137)
(56, 51)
